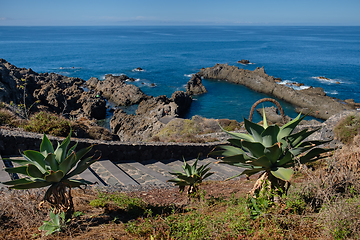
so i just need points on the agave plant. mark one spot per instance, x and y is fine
(272, 150)
(54, 168)
(192, 177)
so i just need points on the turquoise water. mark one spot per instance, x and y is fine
(169, 55)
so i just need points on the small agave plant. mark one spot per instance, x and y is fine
(54, 168)
(192, 178)
(272, 150)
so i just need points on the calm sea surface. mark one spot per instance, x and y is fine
(169, 55)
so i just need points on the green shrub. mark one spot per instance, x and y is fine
(43, 122)
(229, 125)
(348, 128)
(5, 117)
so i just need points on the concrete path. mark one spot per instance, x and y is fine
(126, 173)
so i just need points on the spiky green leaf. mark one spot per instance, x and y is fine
(274, 153)
(265, 124)
(240, 158)
(18, 170)
(34, 172)
(38, 184)
(51, 162)
(46, 146)
(65, 165)
(81, 167)
(61, 150)
(20, 181)
(227, 151)
(262, 162)
(254, 130)
(55, 176)
(256, 149)
(269, 135)
(282, 173)
(240, 136)
(37, 157)
(287, 129)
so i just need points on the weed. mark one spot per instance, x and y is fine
(5, 117)
(348, 128)
(43, 122)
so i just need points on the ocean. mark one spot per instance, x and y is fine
(169, 55)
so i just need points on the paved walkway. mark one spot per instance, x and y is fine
(107, 173)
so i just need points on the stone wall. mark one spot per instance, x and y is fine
(13, 142)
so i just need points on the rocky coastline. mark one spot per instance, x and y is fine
(311, 101)
(77, 98)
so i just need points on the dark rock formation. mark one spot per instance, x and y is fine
(53, 92)
(244, 61)
(312, 99)
(115, 89)
(195, 86)
(182, 101)
(150, 117)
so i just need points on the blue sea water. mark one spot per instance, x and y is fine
(170, 54)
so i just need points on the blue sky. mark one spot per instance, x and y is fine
(179, 12)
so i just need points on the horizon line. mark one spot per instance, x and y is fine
(185, 25)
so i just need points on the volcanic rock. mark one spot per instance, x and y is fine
(195, 86)
(52, 92)
(244, 61)
(115, 89)
(150, 117)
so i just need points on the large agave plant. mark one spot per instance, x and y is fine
(192, 177)
(272, 150)
(54, 168)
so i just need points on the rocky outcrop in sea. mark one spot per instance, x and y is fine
(311, 101)
(195, 86)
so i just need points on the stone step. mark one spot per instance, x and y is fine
(150, 172)
(4, 176)
(159, 167)
(116, 172)
(91, 176)
(139, 173)
(161, 179)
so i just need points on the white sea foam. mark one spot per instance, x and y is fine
(68, 68)
(188, 75)
(138, 70)
(327, 80)
(102, 77)
(333, 92)
(292, 85)
(247, 63)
